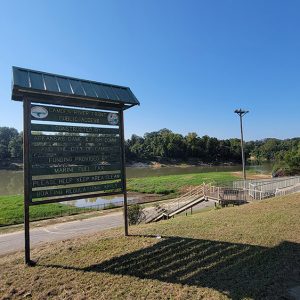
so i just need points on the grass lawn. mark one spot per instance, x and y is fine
(172, 184)
(246, 252)
(11, 210)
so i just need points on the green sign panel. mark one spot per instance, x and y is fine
(86, 159)
(106, 140)
(74, 180)
(62, 114)
(76, 190)
(88, 151)
(75, 149)
(73, 129)
(70, 169)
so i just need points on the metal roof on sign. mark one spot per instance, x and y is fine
(58, 89)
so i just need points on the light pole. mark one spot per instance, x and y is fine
(241, 113)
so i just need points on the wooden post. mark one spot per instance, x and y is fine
(27, 176)
(123, 172)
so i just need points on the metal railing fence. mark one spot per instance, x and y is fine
(288, 190)
(259, 189)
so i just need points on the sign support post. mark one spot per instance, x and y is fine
(122, 141)
(27, 177)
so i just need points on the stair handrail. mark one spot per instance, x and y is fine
(193, 192)
(196, 191)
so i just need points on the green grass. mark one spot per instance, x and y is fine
(246, 252)
(11, 210)
(172, 184)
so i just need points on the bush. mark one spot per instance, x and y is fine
(287, 164)
(135, 214)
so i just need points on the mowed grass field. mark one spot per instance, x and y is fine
(11, 207)
(173, 184)
(11, 210)
(246, 252)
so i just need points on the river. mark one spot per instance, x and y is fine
(11, 182)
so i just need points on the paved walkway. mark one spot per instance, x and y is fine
(12, 242)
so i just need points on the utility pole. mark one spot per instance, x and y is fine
(241, 113)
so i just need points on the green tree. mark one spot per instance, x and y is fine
(192, 144)
(6, 135)
(135, 214)
(15, 146)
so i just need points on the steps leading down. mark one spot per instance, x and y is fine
(176, 206)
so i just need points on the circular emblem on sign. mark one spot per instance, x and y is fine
(39, 112)
(113, 119)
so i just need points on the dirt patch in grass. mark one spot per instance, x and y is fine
(246, 252)
(251, 175)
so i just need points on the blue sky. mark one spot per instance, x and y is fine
(190, 63)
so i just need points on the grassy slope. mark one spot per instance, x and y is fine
(246, 252)
(173, 183)
(11, 210)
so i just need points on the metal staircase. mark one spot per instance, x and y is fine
(196, 195)
(176, 206)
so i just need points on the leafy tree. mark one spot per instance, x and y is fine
(6, 135)
(15, 147)
(3, 152)
(135, 214)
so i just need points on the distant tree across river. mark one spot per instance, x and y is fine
(165, 144)
(11, 143)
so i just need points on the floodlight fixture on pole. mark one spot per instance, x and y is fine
(241, 113)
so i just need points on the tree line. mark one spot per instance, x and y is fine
(165, 145)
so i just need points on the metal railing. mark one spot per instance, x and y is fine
(240, 183)
(220, 194)
(265, 188)
(171, 206)
(288, 190)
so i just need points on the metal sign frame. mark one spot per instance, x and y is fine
(29, 171)
(62, 95)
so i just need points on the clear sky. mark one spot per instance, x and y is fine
(190, 63)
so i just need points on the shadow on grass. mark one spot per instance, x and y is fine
(237, 270)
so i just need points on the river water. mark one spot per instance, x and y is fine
(11, 182)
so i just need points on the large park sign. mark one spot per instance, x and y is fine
(73, 139)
